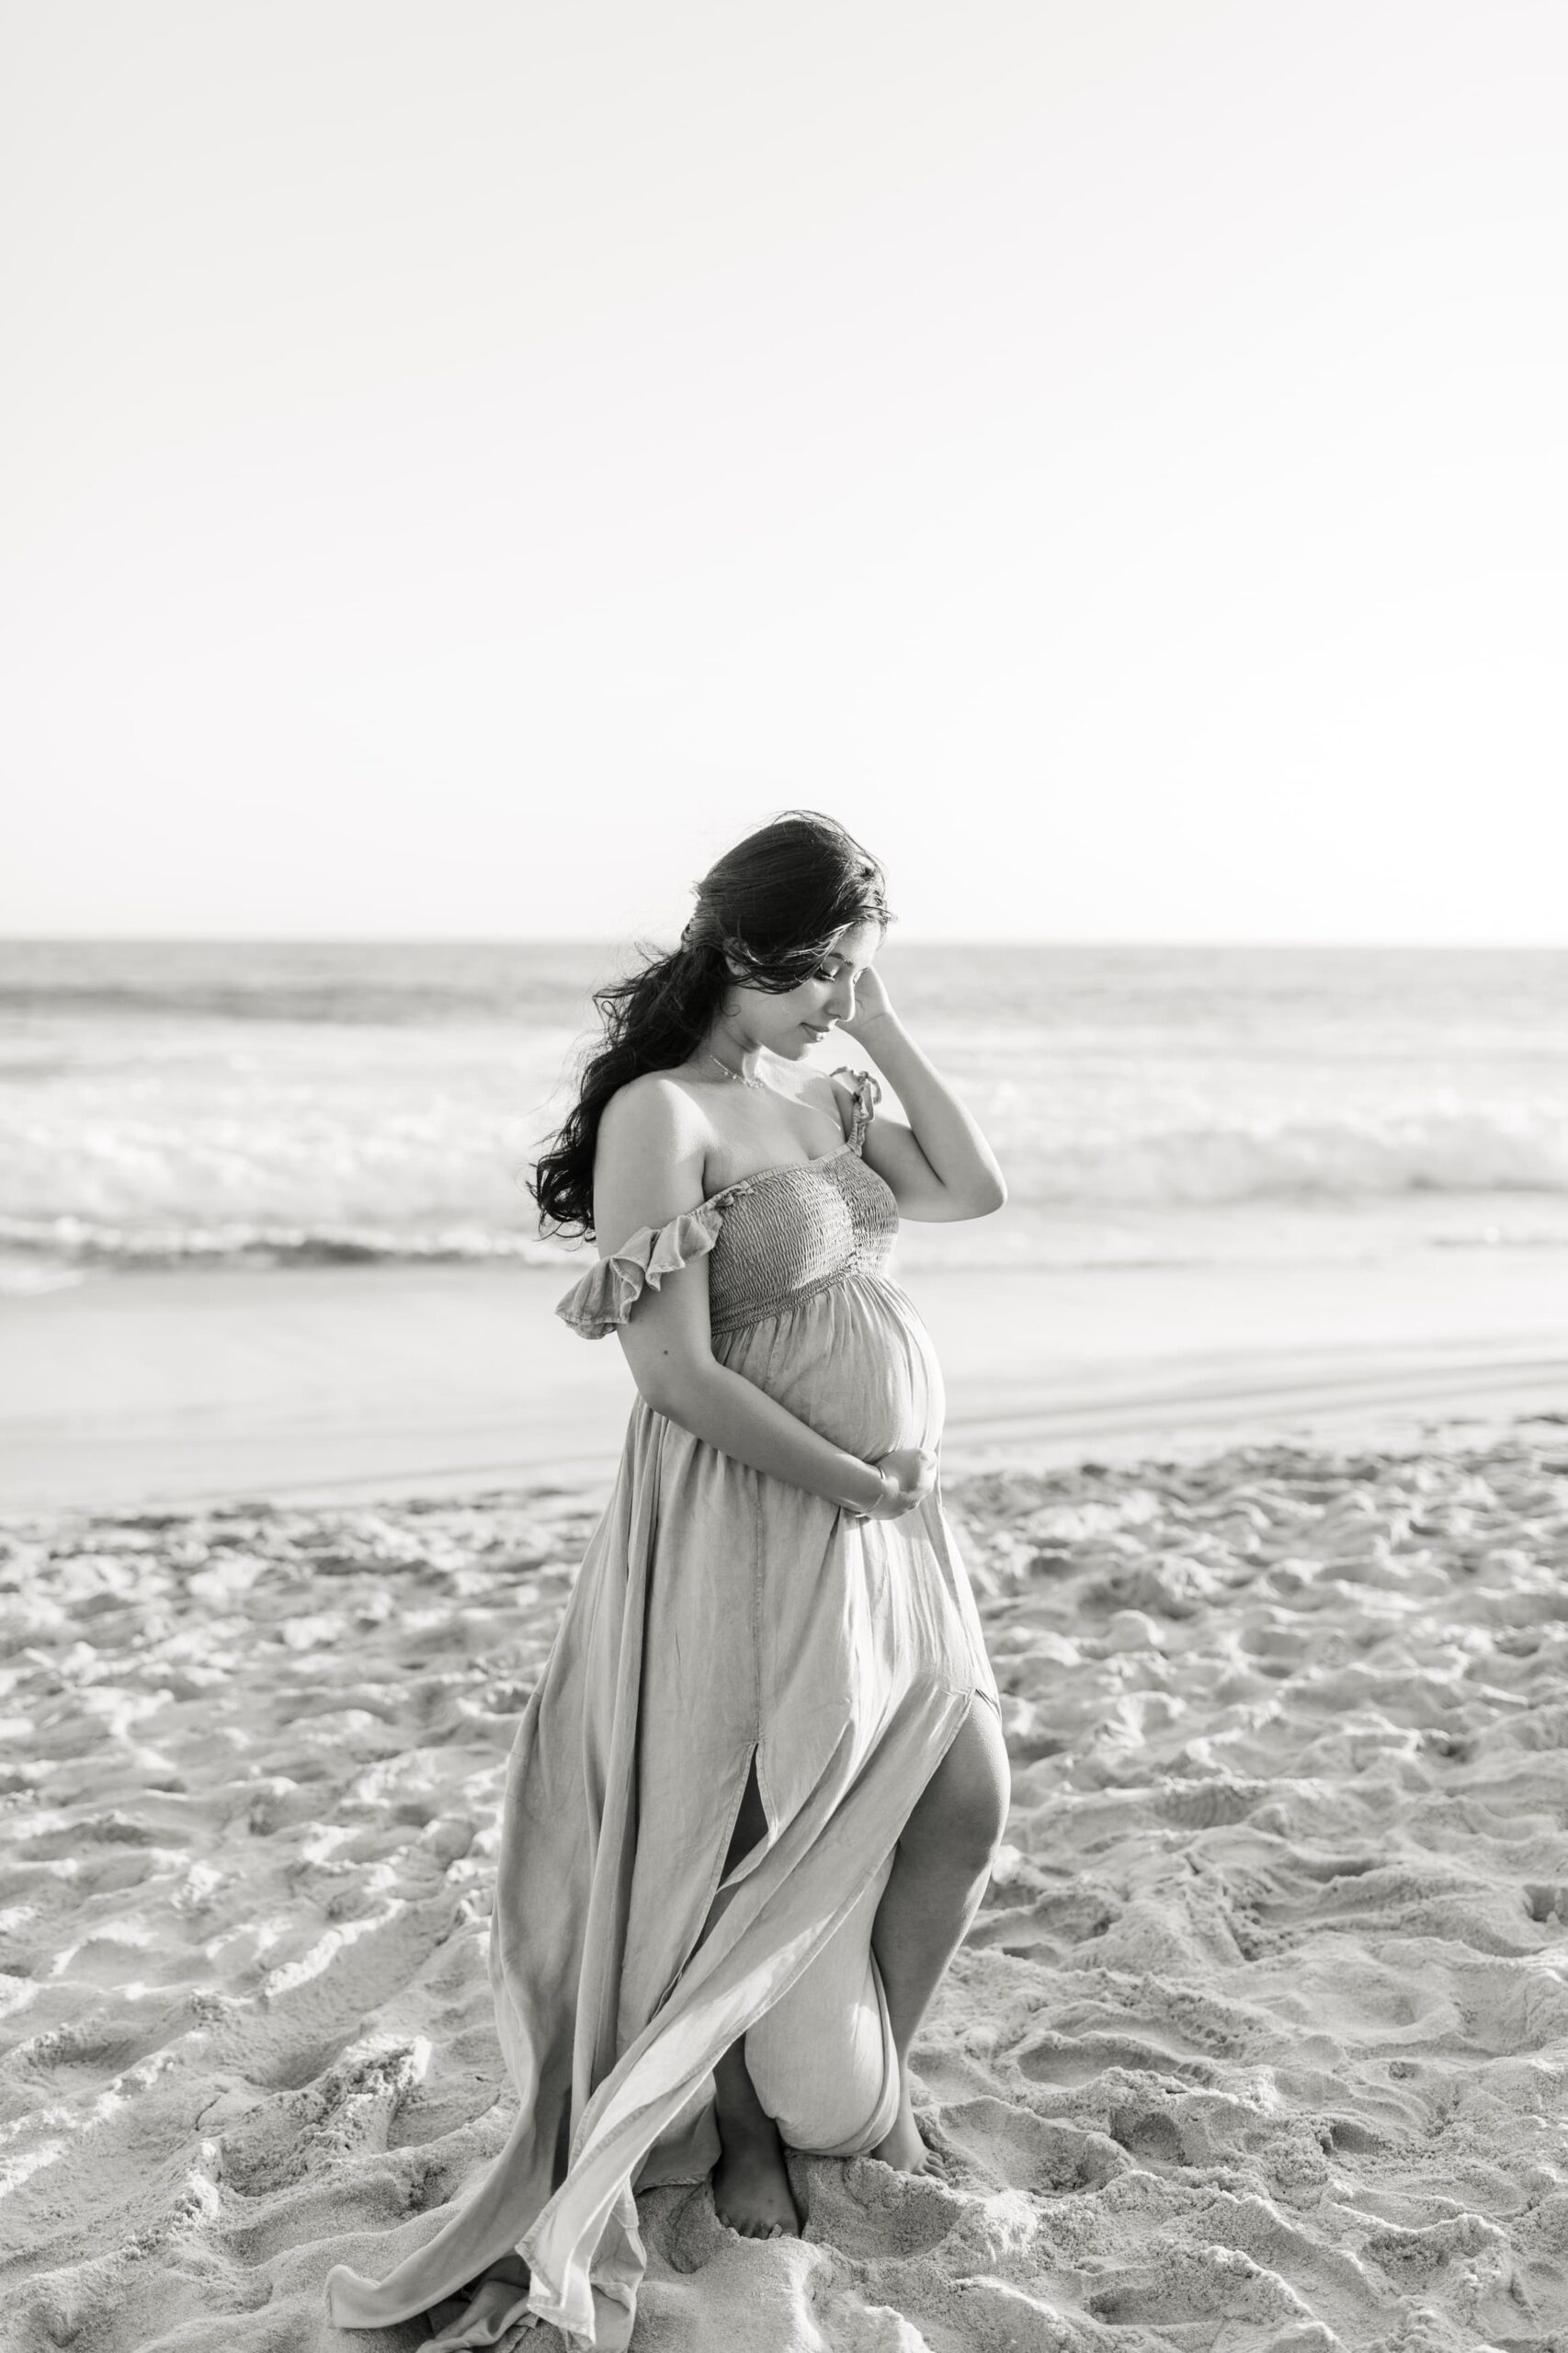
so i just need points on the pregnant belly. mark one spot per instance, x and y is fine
(855, 1362)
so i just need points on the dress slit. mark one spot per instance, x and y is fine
(764, 1839)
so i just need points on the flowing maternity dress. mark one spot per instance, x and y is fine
(722, 1619)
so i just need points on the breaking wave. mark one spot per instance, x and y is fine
(330, 1194)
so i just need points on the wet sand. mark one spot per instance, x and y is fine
(171, 1387)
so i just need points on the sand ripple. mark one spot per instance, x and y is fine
(1260, 2040)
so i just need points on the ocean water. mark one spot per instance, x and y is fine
(183, 1103)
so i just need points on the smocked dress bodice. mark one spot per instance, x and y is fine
(776, 1237)
(802, 1301)
(792, 1231)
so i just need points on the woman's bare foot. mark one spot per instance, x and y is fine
(903, 2146)
(751, 2189)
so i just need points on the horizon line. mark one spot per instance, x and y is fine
(611, 941)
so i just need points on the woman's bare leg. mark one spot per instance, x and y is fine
(943, 1863)
(751, 2188)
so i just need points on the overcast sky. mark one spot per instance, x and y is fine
(463, 466)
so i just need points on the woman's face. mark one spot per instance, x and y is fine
(792, 1023)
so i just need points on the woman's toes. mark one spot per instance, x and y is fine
(751, 2189)
(903, 2147)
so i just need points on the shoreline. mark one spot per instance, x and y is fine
(171, 1389)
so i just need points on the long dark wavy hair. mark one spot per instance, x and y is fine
(772, 905)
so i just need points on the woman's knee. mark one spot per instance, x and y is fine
(822, 2087)
(962, 1811)
(820, 2059)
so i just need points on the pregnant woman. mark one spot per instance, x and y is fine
(754, 1797)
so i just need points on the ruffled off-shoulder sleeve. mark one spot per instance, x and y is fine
(604, 1298)
(867, 1094)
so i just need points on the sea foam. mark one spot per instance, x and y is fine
(190, 1105)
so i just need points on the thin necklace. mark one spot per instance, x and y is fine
(739, 1076)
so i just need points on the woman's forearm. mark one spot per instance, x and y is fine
(729, 1412)
(957, 1152)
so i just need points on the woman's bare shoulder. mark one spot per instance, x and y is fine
(650, 1157)
(655, 1108)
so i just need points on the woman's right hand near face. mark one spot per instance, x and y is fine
(915, 1469)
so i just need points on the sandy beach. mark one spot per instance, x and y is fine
(1259, 2040)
